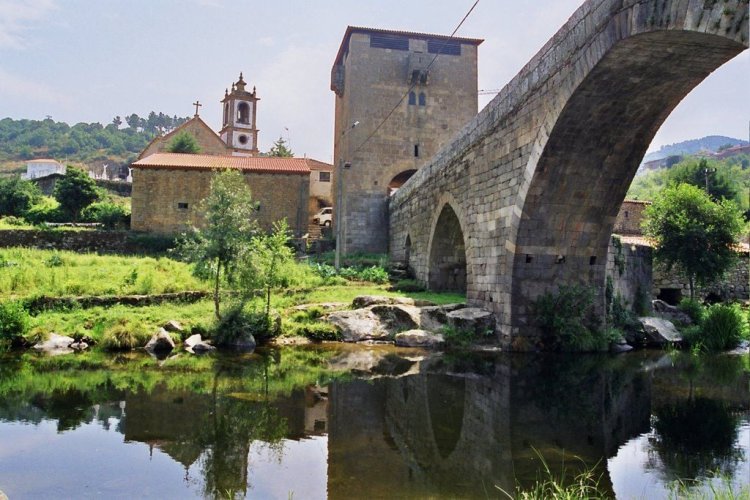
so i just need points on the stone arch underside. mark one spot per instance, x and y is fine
(592, 154)
(399, 179)
(447, 263)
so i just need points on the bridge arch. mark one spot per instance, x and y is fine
(447, 264)
(541, 171)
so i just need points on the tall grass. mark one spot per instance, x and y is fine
(723, 327)
(27, 272)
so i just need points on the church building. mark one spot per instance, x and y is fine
(168, 187)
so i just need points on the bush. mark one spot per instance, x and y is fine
(694, 309)
(124, 335)
(47, 210)
(17, 196)
(237, 323)
(408, 286)
(110, 215)
(12, 220)
(314, 331)
(14, 323)
(723, 328)
(568, 321)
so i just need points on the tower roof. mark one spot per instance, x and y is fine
(344, 47)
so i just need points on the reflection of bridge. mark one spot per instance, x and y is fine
(524, 199)
(444, 433)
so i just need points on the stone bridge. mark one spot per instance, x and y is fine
(524, 199)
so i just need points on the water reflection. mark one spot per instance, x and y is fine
(405, 425)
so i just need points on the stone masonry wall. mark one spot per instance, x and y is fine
(116, 242)
(734, 285)
(630, 217)
(630, 269)
(158, 195)
(537, 178)
(375, 80)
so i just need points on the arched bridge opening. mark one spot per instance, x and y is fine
(448, 254)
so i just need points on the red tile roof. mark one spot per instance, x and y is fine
(260, 164)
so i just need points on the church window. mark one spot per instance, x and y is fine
(324, 176)
(243, 113)
(422, 99)
(226, 113)
(182, 205)
(242, 139)
(412, 98)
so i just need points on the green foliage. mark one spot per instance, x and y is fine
(238, 323)
(456, 337)
(14, 323)
(110, 215)
(184, 142)
(693, 233)
(700, 173)
(723, 327)
(694, 309)
(216, 249)
(374, 274)
(408, 285)
(75, 191)
(13, 221)
(568, 321)
(267, 260)
(124, 335)
(46, 210)
(83, 142)
(17, 196)
(280, 149)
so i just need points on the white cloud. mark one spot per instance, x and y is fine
(16, 17)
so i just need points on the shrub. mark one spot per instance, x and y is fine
(17, 195)
(14, 323)
(568, 321)
(315, 331)
(408, 286)
(124, 335)
(47, 210)
(110, 215)
(12, 220)
(692, 308)
(723, 328)
(237, 323)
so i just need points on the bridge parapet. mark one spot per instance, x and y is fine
(534, 182)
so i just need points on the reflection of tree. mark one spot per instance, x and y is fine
(695, 438)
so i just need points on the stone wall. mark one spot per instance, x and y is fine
(166, 201)
(734, 285)
(388, 141)
(630, 217)
(116, 242)
(630, 269)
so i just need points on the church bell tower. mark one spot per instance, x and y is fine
(238, 129)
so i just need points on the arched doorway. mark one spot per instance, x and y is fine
(399, 181)
(447, 265)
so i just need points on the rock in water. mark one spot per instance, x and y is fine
(358, 325)
(160, 342)
(173, 326)
(419, 338)
(660, 331)
(472, 319)
(55, 345)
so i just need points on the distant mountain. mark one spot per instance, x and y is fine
(709, 143)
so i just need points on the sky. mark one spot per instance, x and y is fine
(91, 60)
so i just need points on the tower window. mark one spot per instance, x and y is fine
(422, 99)
(447, 47)
(182, 205)
(243, 113)
(412, 98)
(242, 139)
(416, 150)
(383, 41)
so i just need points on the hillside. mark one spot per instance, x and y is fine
(83, 143)
(709, 143)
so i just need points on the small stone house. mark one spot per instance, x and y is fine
(168, 189)
(321, 177)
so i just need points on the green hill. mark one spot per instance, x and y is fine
(709, 143)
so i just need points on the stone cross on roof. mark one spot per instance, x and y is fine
(197, 104)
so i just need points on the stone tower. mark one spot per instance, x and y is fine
(239, 129)
(400, 96)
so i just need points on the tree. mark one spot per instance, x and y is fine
(75, 191)
(184, 142)
(17, 196)
(280, 148)
(693, 233)
(215, 249)
(704, 175)
(266, 264)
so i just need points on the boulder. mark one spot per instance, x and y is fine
(161, 341)
(55, 345)
(173, 326)
(660, 331)
(434, 318)
(326, 306)
(358, 325)
(245, 343)
(473, 319)
(79, 345)
(196, 345)
(419, 338)
(671, 313)
(202, 348)
(372, 300)
(396, 317)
